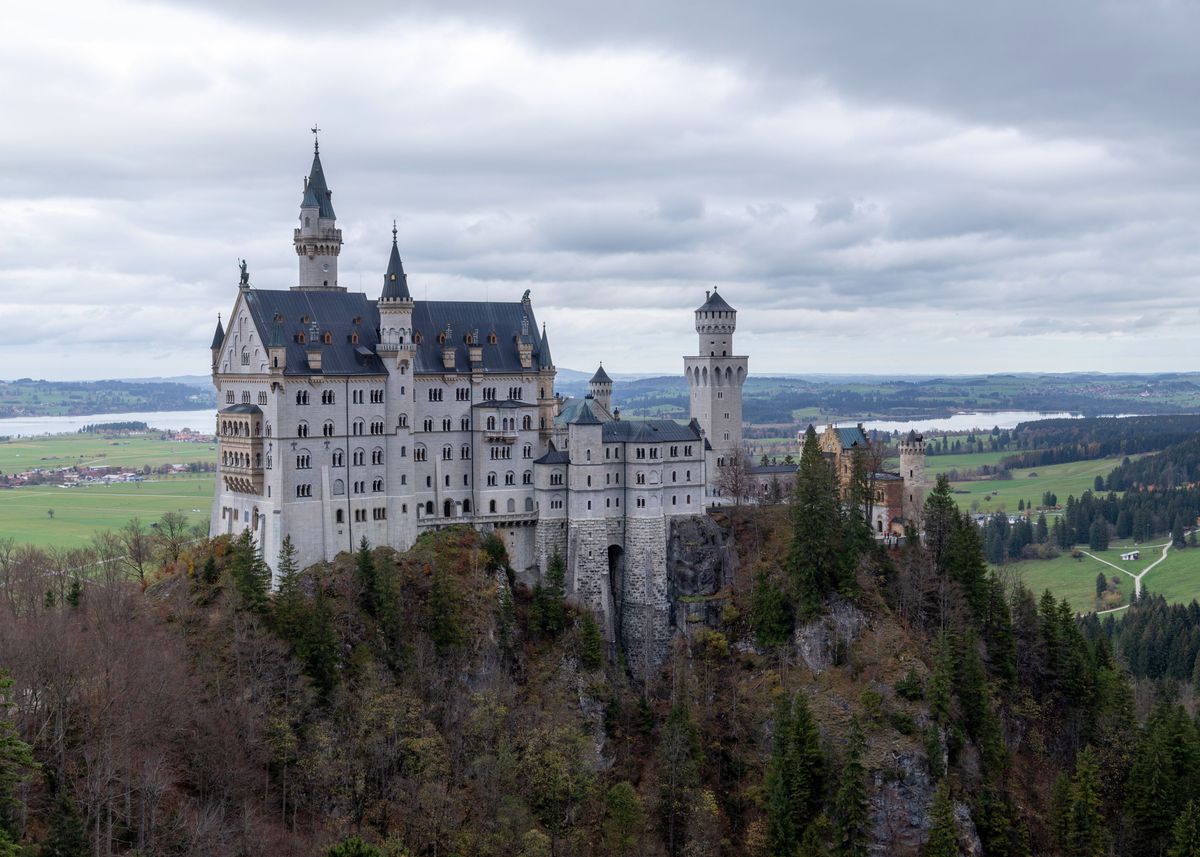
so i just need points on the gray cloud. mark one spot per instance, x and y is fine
(874, 187)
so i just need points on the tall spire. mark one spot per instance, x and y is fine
(545, 361)
(316, 191)
(219, 336)
(395, 283)
(318, 240)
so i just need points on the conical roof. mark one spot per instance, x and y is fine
(585, 417)
(714, 302)
(601, 377)
(395, 283)
(219, 336)
(316, 192)
(544, 359)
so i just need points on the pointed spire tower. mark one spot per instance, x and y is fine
(318, 240)
(395, 305)
(217, 343)
(547, 401)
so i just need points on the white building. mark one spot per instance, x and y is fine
(344, 417)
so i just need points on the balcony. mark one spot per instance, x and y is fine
(500, 435)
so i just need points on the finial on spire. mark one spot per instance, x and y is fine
(393, 231)
(316, 142)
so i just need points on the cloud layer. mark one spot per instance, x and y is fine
(925, 188)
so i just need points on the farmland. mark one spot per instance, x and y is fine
(1064, 480)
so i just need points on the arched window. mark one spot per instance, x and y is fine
(339, 458)
(491, 479)
(527, 422)
(528, 504)
(429, 508)
(512, 505)
(302, 430)
(527, 477)
(448, 509)
(466, 507)
(492, 506)
(465, 424)
(339, 488)
(510, 478)
(340, 516)
(491, 423)
(404, 421)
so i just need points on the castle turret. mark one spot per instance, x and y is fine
(217, 343)
(600, 386)
(715, 376)
(547, 403)
(318, 240)
(395, 305)
(912, 471)
(277, 347)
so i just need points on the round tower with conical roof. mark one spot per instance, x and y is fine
(600, 386)
(318, 240)
(715, 377)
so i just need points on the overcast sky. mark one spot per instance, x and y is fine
(913, 187)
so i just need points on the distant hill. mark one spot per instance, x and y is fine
(28, 397)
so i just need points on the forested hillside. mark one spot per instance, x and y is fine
(835, 700)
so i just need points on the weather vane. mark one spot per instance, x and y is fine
(316, 142)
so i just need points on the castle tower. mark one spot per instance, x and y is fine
(601, 388)
(547, 404)
(912, 470)
(217, 343)
(318, 240)
(395, 304)
(715, 376)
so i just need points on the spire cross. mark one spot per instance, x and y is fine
(316, 143)
(393, 231)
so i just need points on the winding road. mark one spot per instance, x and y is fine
(1137, 578)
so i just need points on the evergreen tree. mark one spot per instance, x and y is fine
(1101, 584)
(678, 775)
(941, 519)
(770, 612)
(1085, 827)
(1185, 835)
(623, 819)
(1042, 532)
(941, 682)
(815, 561)
(851, 807)
(794, 774)
(781, 826)
(353, 847)
(548, 612)
(591, 643)
(16, 763)
(364, 569)
(65, 836)
(290, 607)
(1178, 536)
(319, 644)
(1098, 535)
(251, 576)
(943, 834)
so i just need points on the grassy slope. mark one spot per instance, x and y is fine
(1064, 480)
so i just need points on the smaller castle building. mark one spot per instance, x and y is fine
(896, 497)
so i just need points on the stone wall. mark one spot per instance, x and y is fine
(645, 609)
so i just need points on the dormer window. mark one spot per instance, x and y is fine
(417, 337)
(304, 319)
(300, 337)
(328, 338)
(354, 339)
(492, 339)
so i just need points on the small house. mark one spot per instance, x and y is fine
(1130, 556)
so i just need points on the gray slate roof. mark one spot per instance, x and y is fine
(715, 302)
(649, 431)
(335, 313)
(851, 436)
(554, 456)
(542, 349)
(317, 192)
(395, 283)
(219, 336)
(585, 417)
(601, 377)
(431, 318)
(241, 409)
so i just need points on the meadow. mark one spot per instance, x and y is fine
(990, 495)
(80, 512)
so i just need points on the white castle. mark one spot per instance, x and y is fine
(344, 417)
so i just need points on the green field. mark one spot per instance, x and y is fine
(1176, 578)
(1029, 485)
(57, 451)
(935, 464)
(80, 512)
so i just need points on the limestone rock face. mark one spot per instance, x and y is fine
(824, 641)
(700, 566)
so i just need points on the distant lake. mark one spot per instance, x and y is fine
(966, 421)
(204, 420)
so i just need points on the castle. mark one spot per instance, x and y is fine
(895, 498)
(345, 417)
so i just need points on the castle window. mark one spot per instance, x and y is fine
(491, 423)
(465, 452)
(687, 451)
(340, 516)
(245, 357)
(527, 478)
(328, 336)
(447, 452)
(641, 502)
(491, 480)
(377, 485)
(229, 397)
(445, 424)
(427, 425)
(465, 424)
(673, 499)
(641, 479)
(492, 506)
(589, 505)
(527, 422)
(587, 454)
(377, 456)
(262, 398)
(246, 397)
(358, 426)
(302, 430)
(492, 339)
(418, 453)
(511, 505)
(462, 394)
(510, 478)
(527, 451)
(359, 455)
(403, 422)
(466, 507)
(641, 453)
(327, 429)
(303, 462)
(688, 499)
(339, 458)
(416, 337)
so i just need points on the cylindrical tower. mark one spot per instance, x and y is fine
(912, 471)
(600, 386)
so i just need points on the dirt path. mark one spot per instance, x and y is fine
(1137, 578)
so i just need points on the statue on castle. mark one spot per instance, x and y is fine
(245, 280)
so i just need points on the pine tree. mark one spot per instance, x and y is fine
(319, 645)
(943, 834)
(794, 773)
(940, 517)
(678, 774)
(251, 576)
(1185, 835)
(942, 681)
(290, 607)
(815, 560)
(1178, 537)
(66, 836)
(16, 763)
(364, 569)
(781, 826)
(851, 808)
(591, 643)
(443, 608)
(770, 612)
(353, 847)
(548, 614)
(1085, 826)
